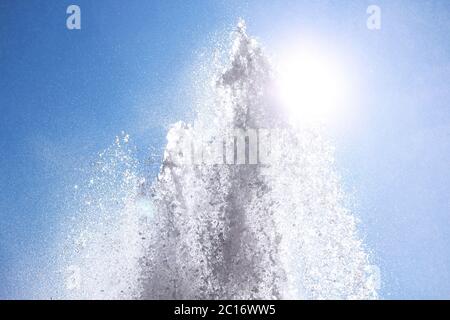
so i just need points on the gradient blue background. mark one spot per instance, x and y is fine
(65, 95)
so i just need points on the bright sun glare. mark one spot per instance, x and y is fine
(312, 86)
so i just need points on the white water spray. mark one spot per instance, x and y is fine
(223, 231)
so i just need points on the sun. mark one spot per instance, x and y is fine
(311, 85)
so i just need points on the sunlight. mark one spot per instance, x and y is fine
(311, 85)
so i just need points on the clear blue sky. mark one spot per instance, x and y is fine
(64, 95)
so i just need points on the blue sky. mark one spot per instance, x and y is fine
(65, 95)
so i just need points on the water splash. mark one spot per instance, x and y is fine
(106, 242)
(223, 230)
